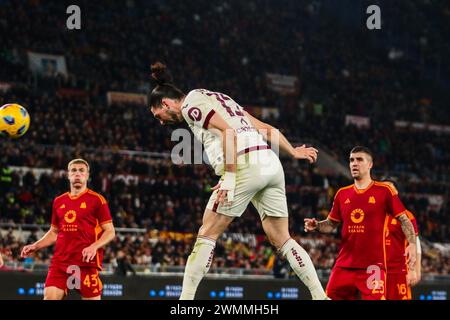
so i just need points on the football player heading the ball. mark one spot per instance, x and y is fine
(235, 143)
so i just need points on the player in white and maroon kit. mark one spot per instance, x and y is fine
(249, 170)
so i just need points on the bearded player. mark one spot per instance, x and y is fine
(235, 143)
(361, 208)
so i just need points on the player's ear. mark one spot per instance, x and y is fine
(165, 103)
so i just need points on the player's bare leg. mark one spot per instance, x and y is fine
(54, 293)
(277, 231)
(92, 298)
(199, 261)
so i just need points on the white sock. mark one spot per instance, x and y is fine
(197, 266)
(303, 267)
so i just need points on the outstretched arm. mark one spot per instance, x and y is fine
(324, 226)
(275, 137)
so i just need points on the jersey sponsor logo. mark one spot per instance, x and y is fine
(195, 114)
(62, 206)
(372, 199)
(347, 201)
(70, 216)
(357, 215)
(83, 205)
(394, 221)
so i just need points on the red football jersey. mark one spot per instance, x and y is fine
(362, 214)
(396, 244)
(78, 221)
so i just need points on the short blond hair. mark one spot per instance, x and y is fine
(75, 161)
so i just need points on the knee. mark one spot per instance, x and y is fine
(208, 232)
(273, 241)
(50, 296)
(278, 240)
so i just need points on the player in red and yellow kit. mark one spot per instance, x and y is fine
(400, 278)
(81, 226)
(361, 208)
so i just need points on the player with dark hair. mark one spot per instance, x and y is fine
(361, 208)
(250, 171)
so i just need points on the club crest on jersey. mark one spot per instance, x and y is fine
(357, 215)
(372, 199)
(195, 114)
(70, 216)
(83, 205)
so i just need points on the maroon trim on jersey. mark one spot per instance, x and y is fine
(247, 150)
(208, 117)
(216, 204)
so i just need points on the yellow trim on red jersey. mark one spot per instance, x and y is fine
(107, 221)
(102, 199)
(334, 219)
(61, 196)
(385, 227)
(343, 188)
(360, 191)
(382, 184)
(399, 214)
(52, 225)
(410, 215)
(97, 231)
(76, 197)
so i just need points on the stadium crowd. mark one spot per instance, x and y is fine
(335, 80)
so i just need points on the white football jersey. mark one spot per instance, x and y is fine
(198, 108)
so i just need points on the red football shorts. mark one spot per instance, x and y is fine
(86, 280)
(397, 287)
(350, 284)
